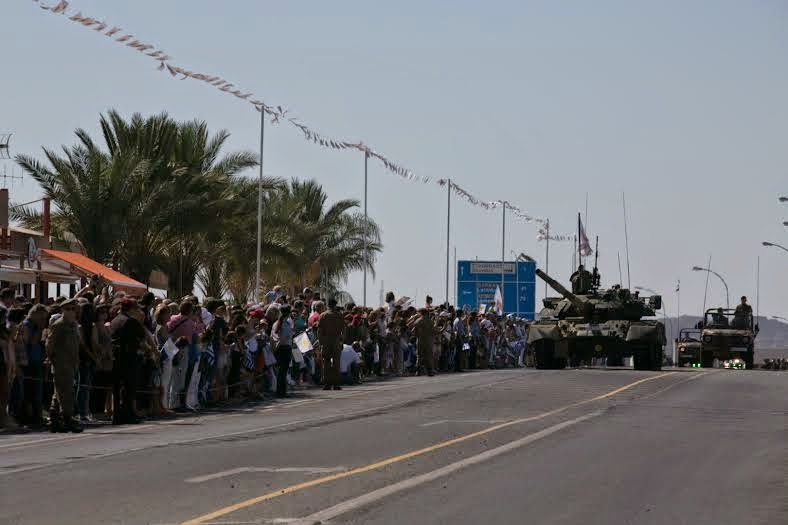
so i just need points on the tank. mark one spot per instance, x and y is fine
(591, 322)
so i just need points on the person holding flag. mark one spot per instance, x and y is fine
(498, 306)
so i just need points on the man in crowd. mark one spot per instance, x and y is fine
(350, 364)
(460, 338)
(423, 329)
(62, 349)
(330, 328)
(128, 337)
(7, 298)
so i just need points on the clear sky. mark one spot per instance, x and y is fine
(682, 105)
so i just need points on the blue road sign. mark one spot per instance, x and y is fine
(477, 281)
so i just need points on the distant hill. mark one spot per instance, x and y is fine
(773, 334)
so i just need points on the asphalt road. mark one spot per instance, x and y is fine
(495, 447)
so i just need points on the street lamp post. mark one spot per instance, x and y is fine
(727, 295)
(780, 246)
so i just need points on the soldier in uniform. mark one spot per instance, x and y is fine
(718, 318)
(741, 317)
(581, 280)
(423, 329)
(743, 308)
(62, 349)
(330, 327)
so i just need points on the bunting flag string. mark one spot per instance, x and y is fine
(276, 113)
(558, 237)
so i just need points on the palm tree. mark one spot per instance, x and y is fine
(188, 192)
(88, 188)
(155, 187)
(158, 194)
(330, 241)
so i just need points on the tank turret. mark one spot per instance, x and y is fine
(578, 302)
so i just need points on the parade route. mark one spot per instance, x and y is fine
(427, 449)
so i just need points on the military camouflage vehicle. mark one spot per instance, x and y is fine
(727, 335)
(591, 322)
(688, 347)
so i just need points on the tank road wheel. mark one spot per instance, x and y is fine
(615, 358)
(642, 358)
(543, 354)
(639, 359)
(656, 358)
(706, 359)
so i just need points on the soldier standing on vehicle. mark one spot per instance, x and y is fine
(743, 308)
(581, 280)
(741, 317)
(330, 327)
(62, 349)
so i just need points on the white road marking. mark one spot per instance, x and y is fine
(240, 470)
(347, 506)
(271, 521)
(442, 421)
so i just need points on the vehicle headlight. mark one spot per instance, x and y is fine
(707, 339)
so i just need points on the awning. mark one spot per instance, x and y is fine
(86, 267)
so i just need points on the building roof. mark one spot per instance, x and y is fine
(87, 267)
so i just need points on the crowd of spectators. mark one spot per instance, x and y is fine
(114, 356)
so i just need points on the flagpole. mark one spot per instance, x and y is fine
(579, 251)
(448, 235)
(678, 318)
(503, 250)
(366, 232)
(456, 299)
(626, 238)
(259, 210)
(547, 254)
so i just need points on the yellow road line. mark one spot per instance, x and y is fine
(402, 457)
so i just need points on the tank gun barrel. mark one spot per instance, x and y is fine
(578, 303)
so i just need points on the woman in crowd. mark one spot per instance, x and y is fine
(34, 326)
(101, 341)
(282, 336)
(16, 376)
(7, 371)
(88, 358)
(161, 316)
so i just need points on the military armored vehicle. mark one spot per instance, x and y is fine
(688, 347)
(727, 335)
(591, 322)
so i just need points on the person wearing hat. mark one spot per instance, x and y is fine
(128, 337)
(423, 329)
(62, 348)
(330, 328)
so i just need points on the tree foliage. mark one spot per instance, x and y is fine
(158, 194)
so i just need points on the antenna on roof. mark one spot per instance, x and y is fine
(5, 150)
(5, 176)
